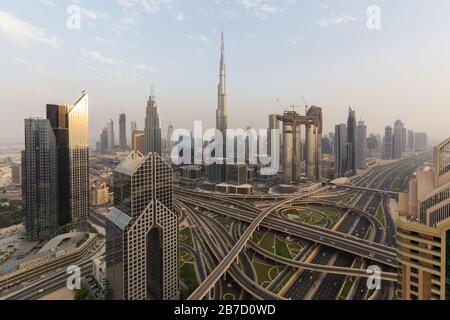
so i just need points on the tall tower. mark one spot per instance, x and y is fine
(142, 249)
(70, 126)
(110, 135)
(388, 143)
(362, 145)
(352, 140)
(169, 144)
(122, 131)
(40, 180)
(340, 151)
(313, 144)
(152, 132)
(221, 112)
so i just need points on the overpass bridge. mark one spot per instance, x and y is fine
(384, 192)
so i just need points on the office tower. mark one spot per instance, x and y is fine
(372, 143)
(352, 141)
(123, 131)
(421, 141)
(388, 143)
(221, 112)
(142, 245)
(16, 174)
(110, 135)
(362, 145)
(397, 141)
(424, 236)
(313, 144)
(237, 174)
(411, 141)
(331, 139)
(404, 140)
(104, 140)
(133, 127)
(274, 124)
(40, 180)
(326, 145)
(139, 141)
(70, 126)
(152, 130)
(169, 144)
(340, 150)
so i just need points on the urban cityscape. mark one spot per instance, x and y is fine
(307, 207)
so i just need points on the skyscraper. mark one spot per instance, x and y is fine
(70, 126)
(104, 140)
(123, 131)
(110, 135)
(387, 143)
(152, 130)
(221, 112)
(352, 140)
(274, 124)
(421, 141)
(397, 140)
(411, 141)
(142, 249)
(340, 150)
(169, 144)
(40, 180)
(133, 127)
(362, 145)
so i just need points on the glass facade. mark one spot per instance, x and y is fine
(40, 185)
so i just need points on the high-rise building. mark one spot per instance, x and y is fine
(152, 131)
(411, 141)
(352, 141)
(397, 140)
(388, 143)
(40, 180)
(274, 124)
(362, 145)
(340, 150)
(104, 140)
(169, 143)
(110, 135)
(404, 140)
(70, 126)
(326, 145)
(372, 143)
(423, 232)
(421, 141)
(221, 112)
(123, 131)
(142, 245)
(133, 127)
(236, 174)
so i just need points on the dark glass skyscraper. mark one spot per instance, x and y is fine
(123, 131)
(40, 180)
(70, 127)
(352, 140)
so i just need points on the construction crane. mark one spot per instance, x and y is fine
(286, 109)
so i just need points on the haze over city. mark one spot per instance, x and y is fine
(286, 49)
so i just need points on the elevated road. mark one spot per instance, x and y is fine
(217, 273)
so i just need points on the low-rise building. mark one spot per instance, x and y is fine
(99, 194)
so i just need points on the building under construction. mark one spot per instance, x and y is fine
(293, 146)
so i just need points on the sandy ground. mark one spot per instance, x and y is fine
(61, 294)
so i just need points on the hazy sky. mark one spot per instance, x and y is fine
(286, 49)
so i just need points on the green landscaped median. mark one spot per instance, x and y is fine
(186, 236)
(188, 276)
(282, 249)
(268, 242)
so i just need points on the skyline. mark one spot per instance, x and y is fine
(37, 50)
